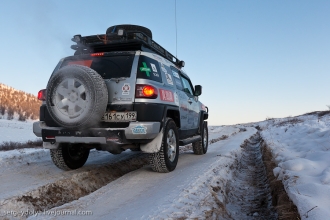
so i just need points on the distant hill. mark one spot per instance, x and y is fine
(18, 104)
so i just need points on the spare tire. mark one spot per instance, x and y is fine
(129, 27)
(76, 97)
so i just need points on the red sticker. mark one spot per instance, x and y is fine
(166, 95)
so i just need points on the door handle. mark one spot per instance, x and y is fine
(189, 100)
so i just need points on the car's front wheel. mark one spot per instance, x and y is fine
(166, 159)
(200, 147)
(69, 156)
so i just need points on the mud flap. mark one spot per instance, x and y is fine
(155, 145)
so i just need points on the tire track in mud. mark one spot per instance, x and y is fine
(249, 193)
(285, 208)
(253, 192)
(68, 189)
(236, 190)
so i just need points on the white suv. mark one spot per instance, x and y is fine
(121, 90)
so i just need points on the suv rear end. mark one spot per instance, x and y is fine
(133, 111)
(115, 100)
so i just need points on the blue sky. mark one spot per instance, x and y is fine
(254, 59)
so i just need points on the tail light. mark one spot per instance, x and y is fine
(42, 95)
(146, 91)
(97, 54)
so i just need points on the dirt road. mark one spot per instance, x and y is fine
(123, 186)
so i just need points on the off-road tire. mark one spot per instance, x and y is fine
(200, 147)
(130, 27)
(69, 156)
(160, 162)
(76, 97)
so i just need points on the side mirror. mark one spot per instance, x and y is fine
(198, 90)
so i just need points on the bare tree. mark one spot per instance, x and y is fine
(10, 113)
(21, 117)
(2, 109)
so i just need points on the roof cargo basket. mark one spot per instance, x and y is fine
(122, 38)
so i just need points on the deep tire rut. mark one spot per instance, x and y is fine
(68, 189)
(248, 193)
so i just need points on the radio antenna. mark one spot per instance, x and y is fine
(176, 35)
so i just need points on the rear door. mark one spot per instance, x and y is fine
(115, 69)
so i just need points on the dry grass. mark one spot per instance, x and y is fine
(10, 145)
(281, 201)
(311, 113)
(318, 113)
(291, 121)
(323, 113)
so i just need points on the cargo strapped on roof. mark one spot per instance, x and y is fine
(121, 41)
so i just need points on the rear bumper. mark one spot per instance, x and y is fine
(136, 132)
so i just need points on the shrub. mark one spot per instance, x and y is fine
(11, 145)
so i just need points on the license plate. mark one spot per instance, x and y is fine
(119, 116)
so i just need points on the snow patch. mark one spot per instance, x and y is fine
(14, 158)
(300, 146)
(16, 131)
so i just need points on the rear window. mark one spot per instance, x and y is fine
(107, 67)
(149, 69)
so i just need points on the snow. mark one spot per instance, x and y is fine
(300, 147)
(16, 131)
(172, 193)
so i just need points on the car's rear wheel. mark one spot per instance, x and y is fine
(76, 97)
(69, 156)
(200, 147)
(166, 159)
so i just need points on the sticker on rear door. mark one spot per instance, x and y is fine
(126, 88)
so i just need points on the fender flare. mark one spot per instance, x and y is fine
(155, 145)
(166, 108)
(203, 115)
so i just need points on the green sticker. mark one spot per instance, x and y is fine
(146, 69)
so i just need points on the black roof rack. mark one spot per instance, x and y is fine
(121, 40)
